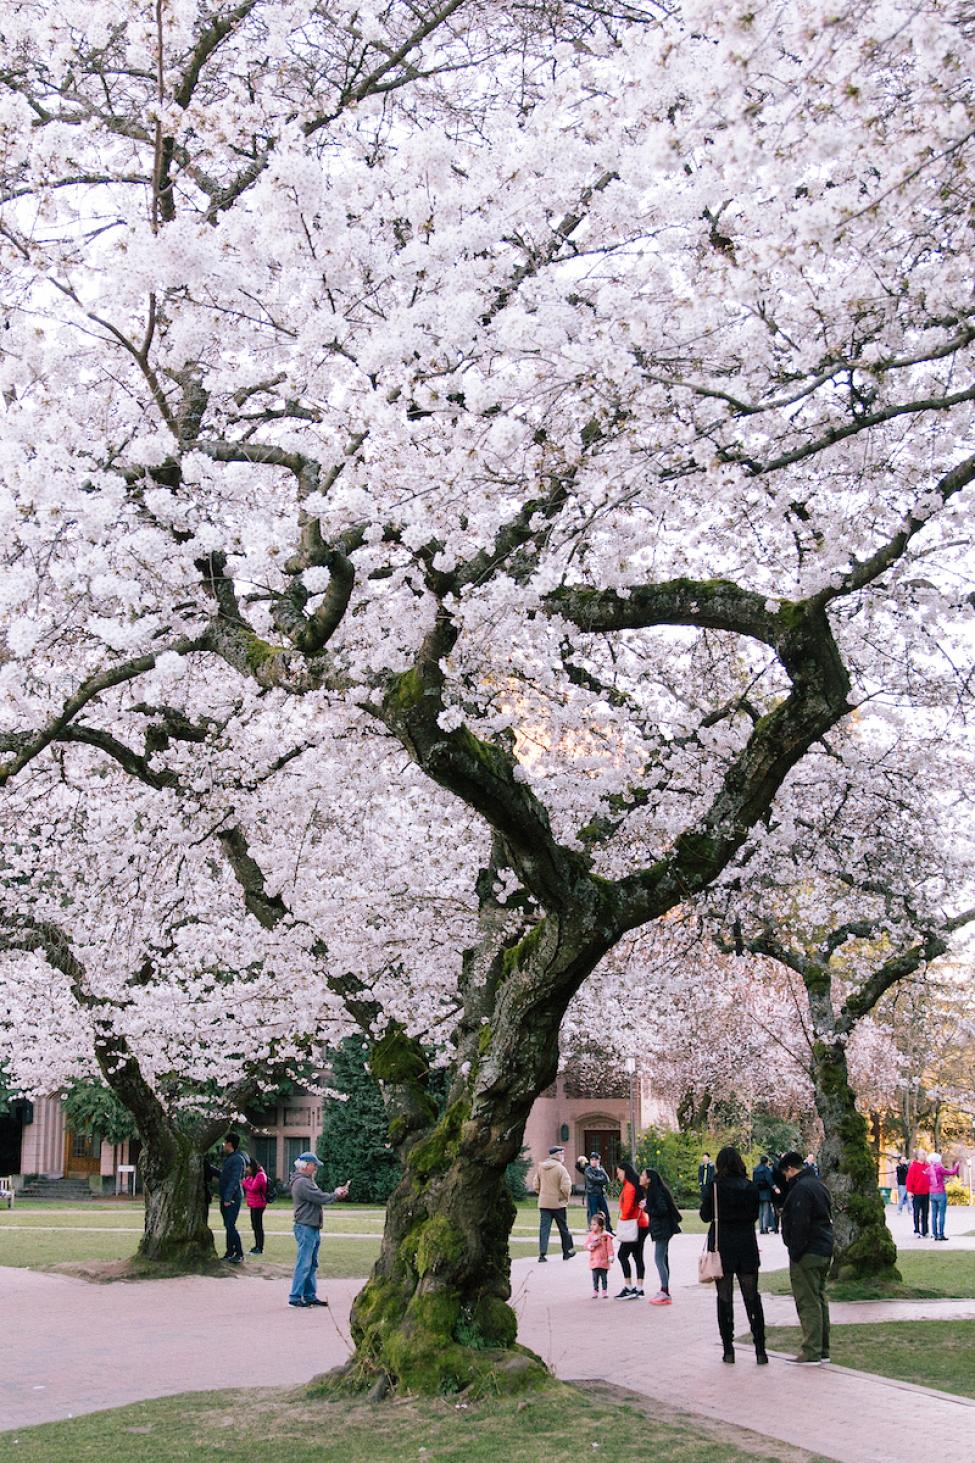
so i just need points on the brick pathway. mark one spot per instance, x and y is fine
(71, 1347)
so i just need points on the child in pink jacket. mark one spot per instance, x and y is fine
(600, 1247)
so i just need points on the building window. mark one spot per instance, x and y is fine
(293, 1148)
(266, 1153)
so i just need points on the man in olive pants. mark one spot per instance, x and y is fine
(807, 1228)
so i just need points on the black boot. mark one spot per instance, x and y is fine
(756, 1319)
(726, 1328)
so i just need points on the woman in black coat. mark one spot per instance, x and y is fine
(664, 1217)
(732, 1200)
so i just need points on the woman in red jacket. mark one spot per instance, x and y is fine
(255, 1194)
(919, 1188)
(631, 1230)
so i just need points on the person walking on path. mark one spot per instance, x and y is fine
(554, 1192)
(762, 1178)
(597, 1182)
(632, 1229)
(231, 1173)
(900, 1177)
(600, 1247)
(937, 1193)
(309, 1201)
(919, 1188)
(730, 1207)
(705, 1172)
(664, 1219)
(255, 1197)
(807, 1228)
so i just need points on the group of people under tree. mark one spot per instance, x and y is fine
(646, 1207)
(732, 1204)
(243, 1178)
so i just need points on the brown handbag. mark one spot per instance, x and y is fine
(709, 1261)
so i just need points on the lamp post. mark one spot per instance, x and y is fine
(629, 1066)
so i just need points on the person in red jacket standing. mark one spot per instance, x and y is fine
(919, 1188)
(255, 1196)
(632, 1229)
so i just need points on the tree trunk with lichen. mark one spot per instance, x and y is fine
(177, 1227)
(434, 1316)
(863, 1243)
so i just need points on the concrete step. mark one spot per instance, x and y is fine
(56, 1189)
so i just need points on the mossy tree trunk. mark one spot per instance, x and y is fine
(864, 1246)
(434, 1316)
(177, 1222)
(863, 1243)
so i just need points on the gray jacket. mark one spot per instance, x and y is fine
(309, 1200)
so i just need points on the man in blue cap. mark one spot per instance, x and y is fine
(309, 1201)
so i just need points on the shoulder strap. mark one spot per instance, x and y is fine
(715, 1191)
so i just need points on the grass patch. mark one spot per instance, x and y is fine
(924, 1277)
(931, 1353)
(51, 1239)
(548, 1426)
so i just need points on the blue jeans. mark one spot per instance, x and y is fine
(308, 1238)
(902, 1200)
(768, 1220)
(939, 1207)
(596, 1204)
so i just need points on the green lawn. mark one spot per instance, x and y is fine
(937, 1354)
(924, 1277)
(37, 1233)
(286, 1426)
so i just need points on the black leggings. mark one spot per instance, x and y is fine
(748, 1284)
(633, 1247)
(257, 1225)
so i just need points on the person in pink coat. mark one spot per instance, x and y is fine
(600, 1247)
(255, 1195)
(937, 1173)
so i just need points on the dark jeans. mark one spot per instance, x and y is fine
(228, 1213)
(545, 1217)
(596, 1204)
(633, 1248)
(768, 1220)
(597, 1276)
(257, 1225)
(921, 1204)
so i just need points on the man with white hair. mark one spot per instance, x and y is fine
(309, 1201)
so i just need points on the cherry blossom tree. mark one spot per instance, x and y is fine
(128, 956)
(597, 444)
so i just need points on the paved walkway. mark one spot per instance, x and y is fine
(73, 1347)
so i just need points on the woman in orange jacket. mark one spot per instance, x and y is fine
(632, 1229)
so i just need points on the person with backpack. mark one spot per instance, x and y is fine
(255, 1183)
(762, 1178)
